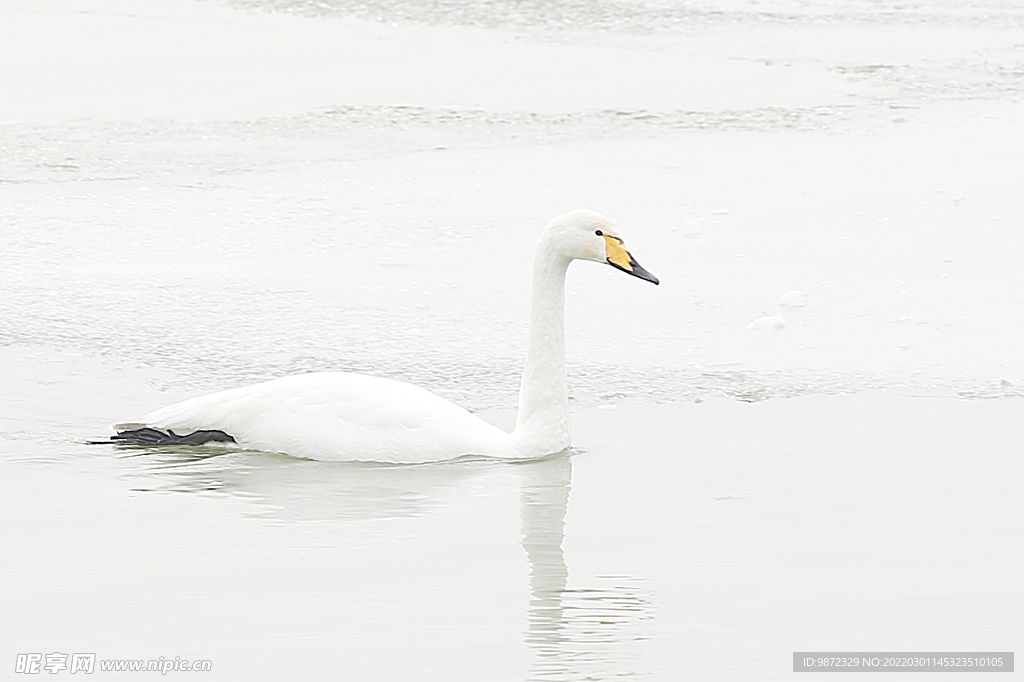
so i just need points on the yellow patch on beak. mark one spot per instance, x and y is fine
(617, 254)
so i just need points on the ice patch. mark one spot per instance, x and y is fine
(792, 299)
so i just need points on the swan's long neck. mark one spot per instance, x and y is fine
(542, 424)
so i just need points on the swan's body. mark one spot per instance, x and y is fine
(345, 416)
(309, 415)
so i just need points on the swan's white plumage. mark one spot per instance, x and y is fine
(344, 416)
(339, 415)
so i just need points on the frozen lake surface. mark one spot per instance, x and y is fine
(807, 438)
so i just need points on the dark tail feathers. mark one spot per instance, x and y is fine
(150, 436)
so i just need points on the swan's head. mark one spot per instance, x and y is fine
(588, 235)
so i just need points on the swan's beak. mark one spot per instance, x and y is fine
(618, 257)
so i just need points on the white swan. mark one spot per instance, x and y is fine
(344, 416)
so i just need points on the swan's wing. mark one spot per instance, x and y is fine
(337, 415)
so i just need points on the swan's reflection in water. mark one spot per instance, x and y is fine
(543, 504)
(577, 633)
(591, 631)
(291, 489)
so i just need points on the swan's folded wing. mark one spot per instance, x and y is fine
(339, 416)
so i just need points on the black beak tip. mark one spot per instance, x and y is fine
(638, 271)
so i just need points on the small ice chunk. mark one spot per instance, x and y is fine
(691, 228)
(792, 299)
(773, 322)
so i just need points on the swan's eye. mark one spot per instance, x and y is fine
(599, 233)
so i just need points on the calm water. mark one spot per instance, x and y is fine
(655, 551)
(843, 476)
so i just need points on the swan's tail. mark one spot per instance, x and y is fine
(139, 434)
